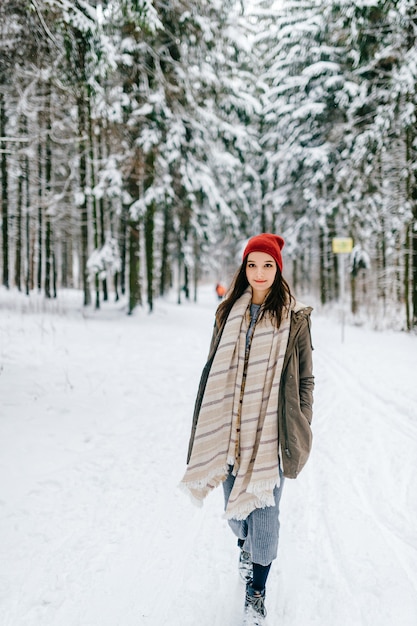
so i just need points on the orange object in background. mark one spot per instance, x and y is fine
(220, 290)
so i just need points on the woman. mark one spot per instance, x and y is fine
(251, 425)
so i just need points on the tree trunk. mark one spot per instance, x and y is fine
(354, 302)
(100, 142)
(28, 274)
(4, 193)
(164, 277)
(407, 277)
(413, 246)
(40, 214)
(83, 206)
(149, 251)
(48, 176)
(64, 264)
(196, 273)
(149, 228)
(411, 187)
(332, 262)
(412, 236)
(186, 287)
(48, 257)
(18, 248)
(116, 286)
(180, 270)
(123, 247)
(295, 275)
(92, 185)
(382, 267)
(81, 100)
(323, 278)
(134, 266)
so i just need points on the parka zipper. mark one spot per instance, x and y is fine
(287, 445)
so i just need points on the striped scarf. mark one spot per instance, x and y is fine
(238, 424)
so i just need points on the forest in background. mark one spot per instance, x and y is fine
(142, 141)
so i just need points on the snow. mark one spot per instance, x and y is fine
(94, 423)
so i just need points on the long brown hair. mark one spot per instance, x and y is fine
(278, 299)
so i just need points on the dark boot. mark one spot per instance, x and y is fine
(255, 611)
(245, 566)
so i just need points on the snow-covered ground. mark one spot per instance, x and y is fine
(95, 411)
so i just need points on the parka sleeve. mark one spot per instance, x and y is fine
(306, 378)
(201, 388)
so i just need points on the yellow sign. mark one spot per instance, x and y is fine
(342, 245)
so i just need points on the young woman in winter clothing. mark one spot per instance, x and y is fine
(251, 424)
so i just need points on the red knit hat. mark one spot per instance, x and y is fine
(268, 243)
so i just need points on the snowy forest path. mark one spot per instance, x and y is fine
(95, 419)
(361, 479)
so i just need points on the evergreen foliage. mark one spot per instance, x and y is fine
(142, 142)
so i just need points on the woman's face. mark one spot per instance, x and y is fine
(261, 269)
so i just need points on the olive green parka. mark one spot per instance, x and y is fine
(295, 395)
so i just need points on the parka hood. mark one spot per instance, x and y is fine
(300, 306)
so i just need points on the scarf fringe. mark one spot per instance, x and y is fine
(198, 502)
(244, 510)
(260, 489)
(215, 478)
(263, 496)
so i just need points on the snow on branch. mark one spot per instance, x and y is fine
(105, 259)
